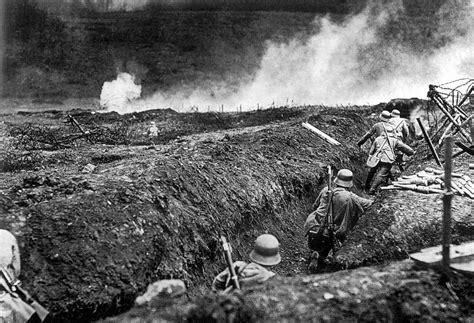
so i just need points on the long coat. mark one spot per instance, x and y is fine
(248, 273)
(386, 149)
(347, 207)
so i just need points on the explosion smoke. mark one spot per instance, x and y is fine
(118, 93)
(344, 63)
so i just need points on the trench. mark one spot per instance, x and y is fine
(159, 215)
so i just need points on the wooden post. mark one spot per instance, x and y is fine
(447, 198)
(471, 124)
(428, 140)
(445, 133)
(466, 96)
(451, 118)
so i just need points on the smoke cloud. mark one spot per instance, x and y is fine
(116, 94)
(366, 59)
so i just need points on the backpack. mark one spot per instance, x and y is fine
(374, 159)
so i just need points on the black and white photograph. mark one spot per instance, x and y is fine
(236, 161)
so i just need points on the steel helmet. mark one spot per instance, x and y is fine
(266, 251)
(395, 113)
(385, 115)
(344, 178)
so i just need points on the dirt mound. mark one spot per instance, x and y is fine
(92, 241)
(392, 293)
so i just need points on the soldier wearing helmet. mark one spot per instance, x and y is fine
(345, 207)
(402, 129)
(400, 125)
(13, 306)
(382, 155)
(377, 129)
(265, 254)
(153, 130)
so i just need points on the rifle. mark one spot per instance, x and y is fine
(15, 287)
(228, 258)
(329, 212)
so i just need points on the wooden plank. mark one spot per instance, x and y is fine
(432, 257)
(469, 150)
(465, 267)
(321, 134)
(453, 121)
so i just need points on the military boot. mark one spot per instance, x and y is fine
(313, 262)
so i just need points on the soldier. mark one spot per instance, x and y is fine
(401, 128)
(377, 129)
(265, 254)
(9, 254)
(400, 125)
(382, 156)
(15, 304)
(153, 130)
(345, 210)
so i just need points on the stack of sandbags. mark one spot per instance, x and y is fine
(432, 181)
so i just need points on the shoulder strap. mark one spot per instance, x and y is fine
(381, 146)
(399, 124)
(388, 139)
(5, 277)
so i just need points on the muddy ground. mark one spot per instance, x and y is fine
(395, 293)
(154, 208)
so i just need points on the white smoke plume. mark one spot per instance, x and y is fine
(344, 63)
(115, 95)
(108, 5)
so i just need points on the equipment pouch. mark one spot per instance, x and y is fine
(373, 160)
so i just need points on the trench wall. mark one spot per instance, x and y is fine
(92, 242)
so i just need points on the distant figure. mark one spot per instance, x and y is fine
(265, 254)
(377, 129)
(153, 130)
(345, 208)
(382, 155)
(400, 125)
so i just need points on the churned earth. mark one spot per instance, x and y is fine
(93, 238)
